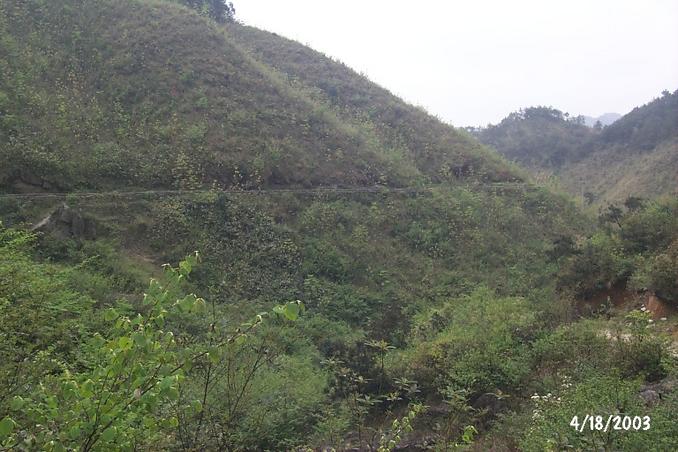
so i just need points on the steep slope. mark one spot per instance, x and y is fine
(135, 95)
(634, 156)
(611, 174)
(171, 102)
(122, 94)
(637, 155)
(191, 98)
(436, 149)
(645, 127)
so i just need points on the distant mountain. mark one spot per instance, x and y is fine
(540, 137)
(635, 155)
(605, 119)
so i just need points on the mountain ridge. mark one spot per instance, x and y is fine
(605, 119)
(230, 143)
(633, 156)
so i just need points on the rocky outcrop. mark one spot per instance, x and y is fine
(67, 222)
(658, 307)
(652, 394)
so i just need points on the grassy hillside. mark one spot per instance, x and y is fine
(435, 148)
(613, 174)
(309, 318)
(190, 107)
(634, 156)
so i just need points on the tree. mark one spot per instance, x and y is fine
(612, 214)
(218, 10)
(124, 397)
(634, 203)
(589, 197)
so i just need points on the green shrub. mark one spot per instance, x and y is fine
(479, 346)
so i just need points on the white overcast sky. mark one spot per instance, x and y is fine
(472, 62)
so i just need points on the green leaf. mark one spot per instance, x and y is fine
(166, 382)
(125, 343)
(110, 315)
(186, 304)
(214, 355)
(291, 311)
(6, 427)
(17, 403)
(109, 434)
(74, 432)
(173, 394)
(140, 339)
(87, 389)
(197, 406)
(185, 267)
(199, 305)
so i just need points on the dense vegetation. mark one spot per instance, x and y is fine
(636, 246)
(539, 137)
(634, 156)
(217, 10)
(427, 317)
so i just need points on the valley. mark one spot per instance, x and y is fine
(216, 238)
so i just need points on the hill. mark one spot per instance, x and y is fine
(605, 119)
(357, 258)
(633, 156)
(208, 105)
(540, 137)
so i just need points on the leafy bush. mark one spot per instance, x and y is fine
(476, 344)
(598, 264)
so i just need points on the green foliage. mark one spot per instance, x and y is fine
(90, 82)
(646, 126)
(443, 295)
(552, 414)
(134, 374)
(218, 10)
(639, 352)
(474, 343)
(634, 156)
(43, 318)
(658, 273)
(649, 228)
(540, 137)
(592, 367)
(391, 439)
(637, 246)
(598, 264)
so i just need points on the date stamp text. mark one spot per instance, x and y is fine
(599, 423)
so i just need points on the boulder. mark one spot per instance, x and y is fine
(650, 397)
(655, 392)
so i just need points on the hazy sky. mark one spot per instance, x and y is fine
(473, 61)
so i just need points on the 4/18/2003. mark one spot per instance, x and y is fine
(612, 421)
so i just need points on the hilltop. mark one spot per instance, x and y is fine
(184, 103)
